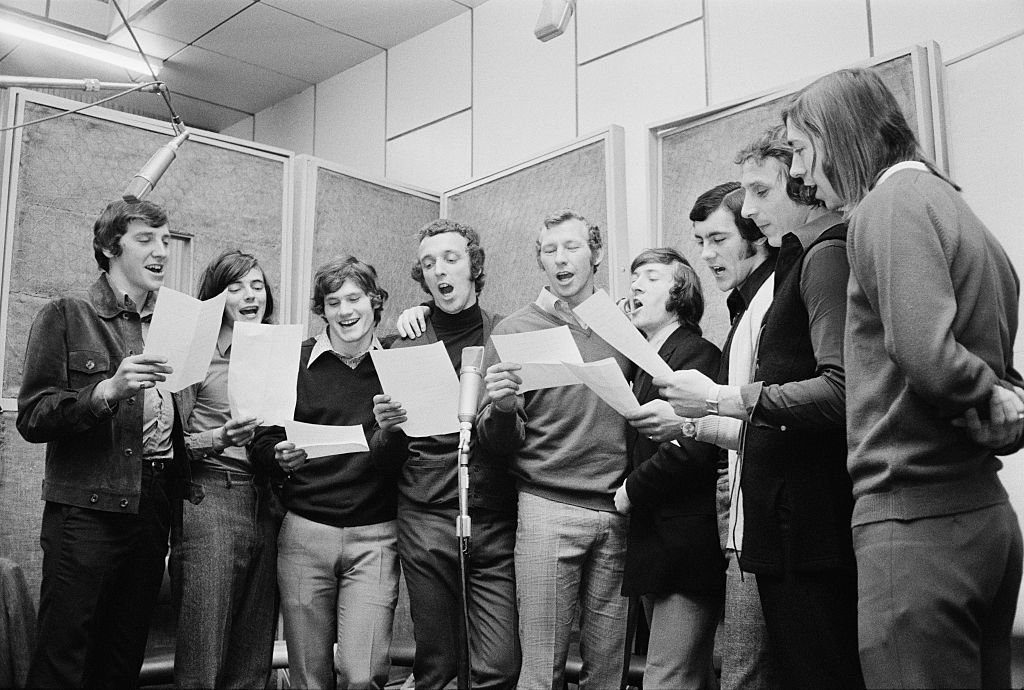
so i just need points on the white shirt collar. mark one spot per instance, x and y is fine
(904, 165)
(558, 307)
(323, 344)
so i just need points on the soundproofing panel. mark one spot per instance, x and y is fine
(697, 153)
(508, 209)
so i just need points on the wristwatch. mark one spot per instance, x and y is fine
(689, 427)
(711, 402)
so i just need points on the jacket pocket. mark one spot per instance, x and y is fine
(86, 367)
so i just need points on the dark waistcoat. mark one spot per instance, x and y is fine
(797, 494)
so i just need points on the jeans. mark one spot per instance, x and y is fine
(101, 576)
(937, 597)
(339, 585)
(430, 560)
(224, 584)
(569, 563)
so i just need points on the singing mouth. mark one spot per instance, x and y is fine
(445, 288)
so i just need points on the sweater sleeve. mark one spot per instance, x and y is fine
(818, 402)
(898, 252)
(261, 449)
(500, 431)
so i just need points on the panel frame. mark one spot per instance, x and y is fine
(616, 233)
(928, 75)
(12, 112)
(305, 173)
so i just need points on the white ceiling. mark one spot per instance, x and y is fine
(223, 59)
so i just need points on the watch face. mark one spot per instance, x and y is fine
(689, 428)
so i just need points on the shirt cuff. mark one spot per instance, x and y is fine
(723, 432)
(99, 406)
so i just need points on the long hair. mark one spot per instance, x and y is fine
(857, 129)
(685, 297)
(229, 267)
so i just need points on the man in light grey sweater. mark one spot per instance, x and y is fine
(567, 451)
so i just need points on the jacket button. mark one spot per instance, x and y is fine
(131, 352)
(131, 400)
(128, 451)
(90, 365)
(125, 316)
(782, 428)
(124, 502)
(94, 498)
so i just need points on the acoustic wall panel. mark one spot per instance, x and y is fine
(57, 178)
(696, 153)
(508, 208)
(342, 213)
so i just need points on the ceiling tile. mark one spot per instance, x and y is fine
(208, 76)
(369, 21)
(300, 48)
(186, 20)
(90, 15)
(153, 45)
(31, 6)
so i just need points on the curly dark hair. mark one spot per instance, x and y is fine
(333, 274)
(685, 297)
(476, 252)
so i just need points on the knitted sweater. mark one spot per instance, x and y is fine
(337, 490)
(931, 319)
(567, 444)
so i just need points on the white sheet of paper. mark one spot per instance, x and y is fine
(542, 354)
(184, 330)
(263, 370)
(424, 381)
(600, 313)
(319, 440)
(605, 378)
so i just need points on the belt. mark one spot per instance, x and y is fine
(156, 465)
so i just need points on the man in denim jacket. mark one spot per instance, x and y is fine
(89, 393)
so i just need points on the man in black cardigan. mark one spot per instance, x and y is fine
(673, 558)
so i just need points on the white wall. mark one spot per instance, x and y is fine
(479, 93)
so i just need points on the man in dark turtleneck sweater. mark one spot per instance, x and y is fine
(450, 268)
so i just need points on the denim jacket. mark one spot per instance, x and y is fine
(93, 452)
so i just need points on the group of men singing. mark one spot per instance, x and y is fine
(727, 493)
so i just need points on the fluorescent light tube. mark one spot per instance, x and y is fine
(97, 51)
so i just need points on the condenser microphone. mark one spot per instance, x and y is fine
(471, 383)
(144, 180)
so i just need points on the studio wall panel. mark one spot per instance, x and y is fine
(524, 91)
(607, 25)
(957, 26)
(429, 76)
(437, 156)
(647, 82)
(350, 117)
(342, 212)
(288, 123)
(58, 177)
(755, 45)
(696, 153)
(508, 210)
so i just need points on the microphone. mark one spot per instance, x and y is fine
(471, 384)
(144, 181)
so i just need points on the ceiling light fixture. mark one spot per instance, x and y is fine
(51, 36)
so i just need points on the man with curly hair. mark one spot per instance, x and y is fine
(450, 268)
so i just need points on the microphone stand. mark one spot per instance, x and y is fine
(463, 531)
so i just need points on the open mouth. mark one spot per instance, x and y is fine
(719, 271)
(249, 311)
(349, 323)
(158, 269)
(564, 276)
(445, 289)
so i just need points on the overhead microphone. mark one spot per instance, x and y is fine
(471, 383)
(145, 180)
